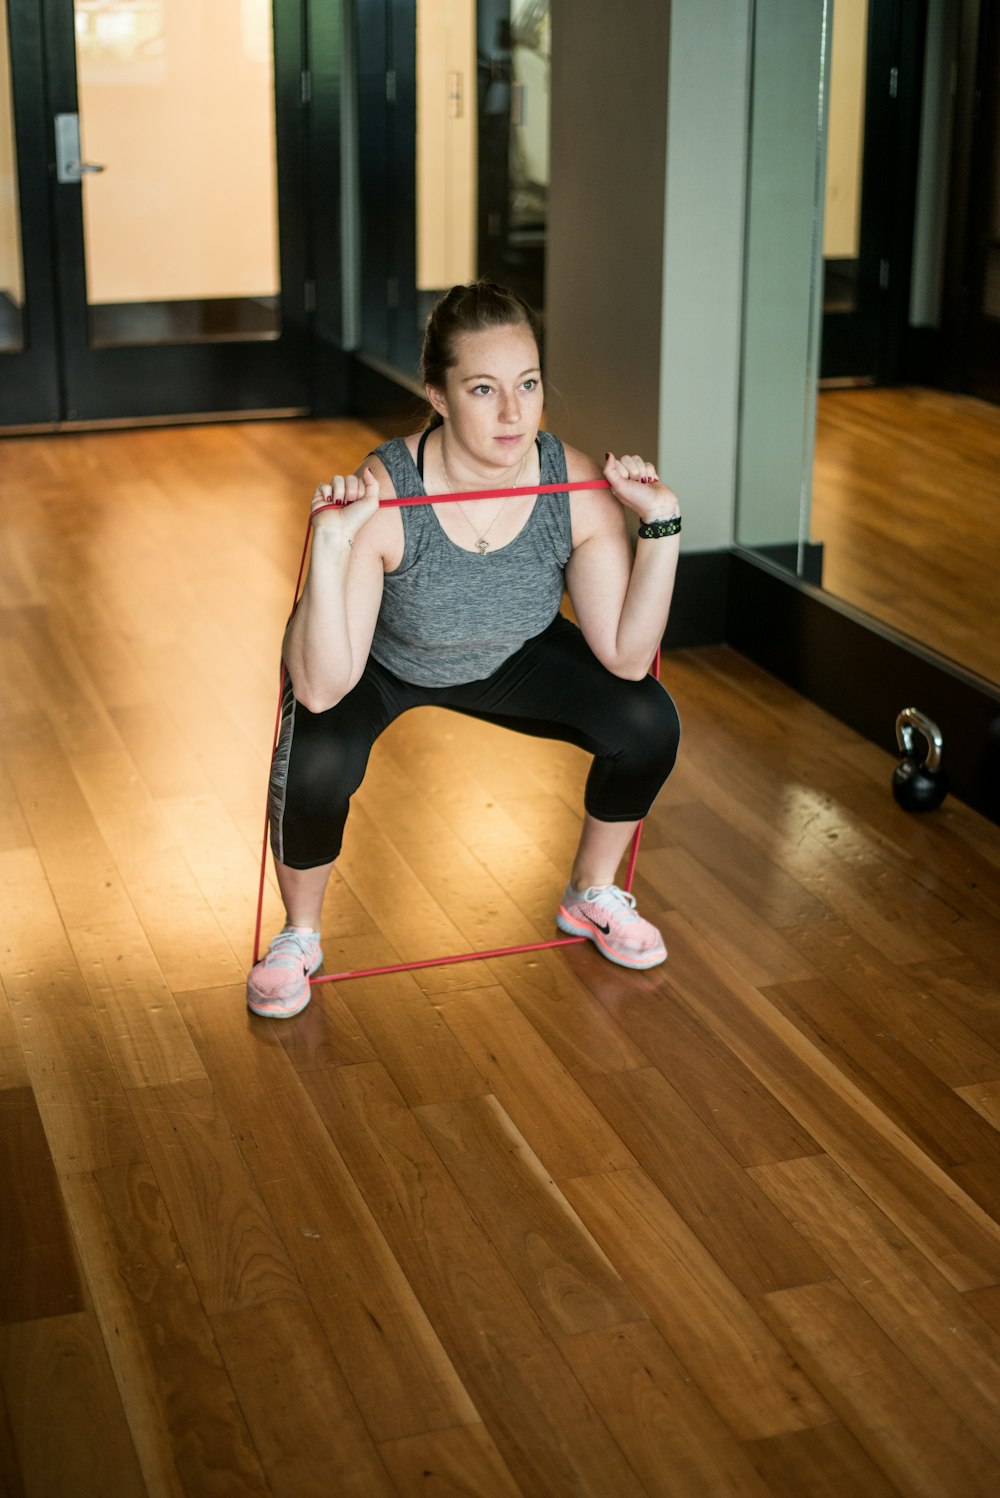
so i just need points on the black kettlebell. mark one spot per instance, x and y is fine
(918, 783)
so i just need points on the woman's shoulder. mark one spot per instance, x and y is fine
(395, 464)
(409, 444)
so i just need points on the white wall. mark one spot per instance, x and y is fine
(703, 271)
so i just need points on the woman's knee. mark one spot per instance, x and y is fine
(325, 769)
(311, 793)
(649, 728)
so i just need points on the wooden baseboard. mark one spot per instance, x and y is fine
(864, 674)
(698, 611)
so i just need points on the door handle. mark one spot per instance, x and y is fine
(69, 167)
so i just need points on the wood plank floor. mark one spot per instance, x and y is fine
(905, 491)
(535, 1226)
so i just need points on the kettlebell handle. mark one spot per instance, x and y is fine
(912, 718)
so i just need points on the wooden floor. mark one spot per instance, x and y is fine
(535, 1226)
(906, 501)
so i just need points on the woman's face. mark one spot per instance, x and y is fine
(493, 400)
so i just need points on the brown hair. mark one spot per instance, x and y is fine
(468, 309)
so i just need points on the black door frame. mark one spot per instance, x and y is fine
(978, 341)
(385, 59)
(30, 374)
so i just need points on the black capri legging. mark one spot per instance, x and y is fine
(553, 688)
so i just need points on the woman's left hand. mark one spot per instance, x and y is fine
(635, 483)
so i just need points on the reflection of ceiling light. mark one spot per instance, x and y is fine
(114, 27)
(112, 20)
(109, 7)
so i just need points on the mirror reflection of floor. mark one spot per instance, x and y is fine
(906, 501)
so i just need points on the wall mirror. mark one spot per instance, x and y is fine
(869, 448)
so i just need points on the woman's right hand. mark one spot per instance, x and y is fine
(353, 500)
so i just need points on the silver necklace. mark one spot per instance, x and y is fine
(482, 544)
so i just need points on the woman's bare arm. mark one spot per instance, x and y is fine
(621, 600)
(327, 641)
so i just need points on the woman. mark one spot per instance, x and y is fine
(457, 605)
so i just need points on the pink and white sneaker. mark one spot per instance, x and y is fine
(278, 985)
(607, 916)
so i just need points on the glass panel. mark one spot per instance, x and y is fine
(530, 58)
(781, 303)
(181, 230)
(11, 278)
(845, 141)
(514, 145)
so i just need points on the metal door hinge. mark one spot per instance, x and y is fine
(392, 292)
(309, 296)
(390, 86)
(893, 82)
(883, 275)
(305, 87)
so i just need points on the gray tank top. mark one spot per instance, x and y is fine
(449, 615)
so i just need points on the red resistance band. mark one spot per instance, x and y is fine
(406, 967)
(444, 499)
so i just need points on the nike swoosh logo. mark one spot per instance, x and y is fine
(605, 929)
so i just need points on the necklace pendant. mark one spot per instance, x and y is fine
(482, 546)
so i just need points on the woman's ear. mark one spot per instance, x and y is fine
(437, 399)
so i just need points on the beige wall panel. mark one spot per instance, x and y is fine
(446, 143)
(848, 65)
(182, 116)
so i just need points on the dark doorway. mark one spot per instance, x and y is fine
(867, 284)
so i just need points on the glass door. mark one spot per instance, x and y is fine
(173, 169)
